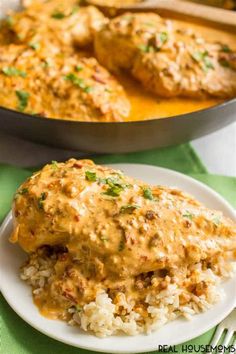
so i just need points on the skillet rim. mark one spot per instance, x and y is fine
(151, 120)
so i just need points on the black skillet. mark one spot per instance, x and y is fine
(121, 136)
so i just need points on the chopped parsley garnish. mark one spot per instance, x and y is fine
(150, 48)
(9, 21)
(128, 209)
(87, 89)
(121, 244)
(147, 193)
(74, 10)
(91, 176)
(23, 98)
(12, 71)
(71, 77)
(108, 90)
(114, 191)
(58, 15)
(102, 180)
(34, 45)
(41, 200)
(224, 63)
(216, 221)
(207, 64)
(203, 57)
(225, 48)
(78, 308)
(149, 24)
(104, 238)
(45, 64)
(23, 191)
(164, 37)
(115, 186)
(54, 164)
(198, 56)
(188, 215)
(78, 82)
(78, 68)
(127, 18)
(146, 48)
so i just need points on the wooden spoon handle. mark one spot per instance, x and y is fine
(189, 11)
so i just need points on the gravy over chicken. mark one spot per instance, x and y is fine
(113, 233)
(168, 60)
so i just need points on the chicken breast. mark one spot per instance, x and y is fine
(62, 23)
(38, 81)
(127, 33)
(107, 252)
(124, 224)
(167, 60)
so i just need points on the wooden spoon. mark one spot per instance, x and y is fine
(178, 9)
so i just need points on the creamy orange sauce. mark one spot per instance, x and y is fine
(146, 106)
(47, 309)
(109, 232)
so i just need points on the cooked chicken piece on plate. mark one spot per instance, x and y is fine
(167, 60)
(74, 204)
(100, 242)
(38, 81)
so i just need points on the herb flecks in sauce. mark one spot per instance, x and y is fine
(164, 37)
(41, 200)
(226, 49)
(188, 215)
(12, 71)
(147, 193)
(203, 59)
(216, 221)
(78, 82)
(23, 98)
(225, 63)
(54, 164)
(78, 68)
(23, 191)
(104, 238)
(10, 21)
(91, 176)
(34, 45)
(155, 45)
(146, 48)
(58, 15)
(129, 208)
(116, 186)
(121, 246)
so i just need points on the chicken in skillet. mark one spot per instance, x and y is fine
(167, 60)
(41, 82)
(62, 23)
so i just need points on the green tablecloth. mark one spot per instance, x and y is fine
(16, 336)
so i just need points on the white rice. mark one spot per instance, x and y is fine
(102, 316)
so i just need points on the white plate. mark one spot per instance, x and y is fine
(18, 294)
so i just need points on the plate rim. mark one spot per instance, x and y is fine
(8, 219)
